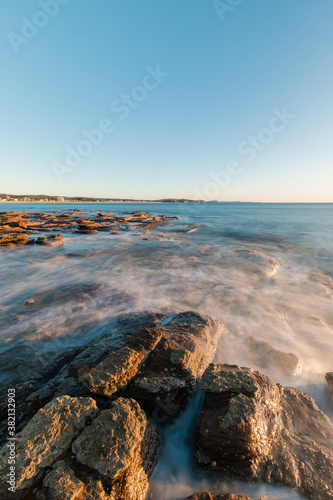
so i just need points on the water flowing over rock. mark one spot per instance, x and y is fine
(329, 379)
(254, 429)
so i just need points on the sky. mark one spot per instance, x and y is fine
(227, 100)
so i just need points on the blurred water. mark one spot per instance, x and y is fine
(263, 269)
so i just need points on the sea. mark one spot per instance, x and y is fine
(264, 270)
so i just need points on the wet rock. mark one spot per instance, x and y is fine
(40, 376)
(117, 369)
(329, 379)
(14, 239)
(16, 227)
(54, 240)
(254, 429)
(267, 357)
(166, 379)
(122, 446)
(209, 496)
(46, 437)
(62, 484)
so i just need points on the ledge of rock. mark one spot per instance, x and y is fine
(254, 429)
(117, 369)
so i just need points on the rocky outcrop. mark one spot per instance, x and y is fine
(46, 437)
(115, 371)
(209, 496)
(159, 367)
(254, 429)
(167, 377)
(70, 450)
(122, 446)
(16, 227)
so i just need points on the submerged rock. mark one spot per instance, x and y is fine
(329, 379)
(54, 240)
(267, 357)
(254, 429)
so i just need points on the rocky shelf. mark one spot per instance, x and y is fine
(88, 426)
(17, 228)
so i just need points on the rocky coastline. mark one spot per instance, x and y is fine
(19, 228)
(88, 424)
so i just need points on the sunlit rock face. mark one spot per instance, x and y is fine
(255, 429)
(46, 438)
(72, 450)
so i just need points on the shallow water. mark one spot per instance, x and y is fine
(263, 269)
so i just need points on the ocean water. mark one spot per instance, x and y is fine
(265, 270)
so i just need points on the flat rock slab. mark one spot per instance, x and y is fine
(254, 429)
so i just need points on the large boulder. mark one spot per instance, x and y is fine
(166, 379)
(115, 371)
(254, 429)
(70, 450)
(122, 445)
(46, 437)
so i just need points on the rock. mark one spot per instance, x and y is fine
(117, 369)
(329, 379)
(62, 484)
(54, 240)
(46, 437)
(166, 379)
(257, 430)
(209, 496)
(268, 357)
(40, 376)
(14, 239)
(122, 446)
(16, 227)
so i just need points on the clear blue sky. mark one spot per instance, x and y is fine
(76, 65)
